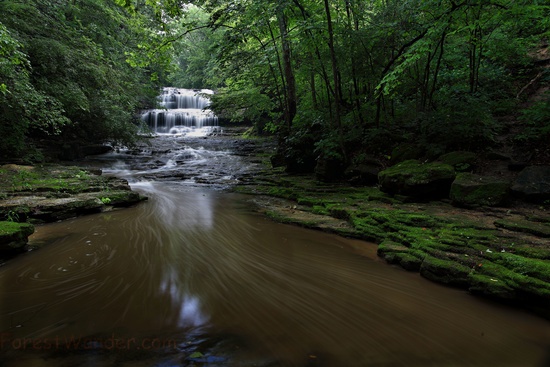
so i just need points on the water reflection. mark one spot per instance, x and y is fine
(194, 260)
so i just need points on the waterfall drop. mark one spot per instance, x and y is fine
(183, 112)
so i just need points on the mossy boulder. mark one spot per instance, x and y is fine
(416, 179)
(533, 184)
(461, 161)
(472, 190)
(14, 236)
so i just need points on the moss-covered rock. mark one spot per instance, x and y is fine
(14, 236)
(422, 180)
(472, 190)
(388, 247)
(52, 192)
(461, 161)
(490, 287)
(445, 271)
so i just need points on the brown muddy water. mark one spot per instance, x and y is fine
(193, 277)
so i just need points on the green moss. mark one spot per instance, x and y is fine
(489, 286)
(14, 235)
(49, 178)
(8, 229)
(309, 201)
(532, 252)
(409, 262)
(445, 271)
(368, 228)
(414, 172)
(522, 283)
(473, 190)
(389, 247)
(318, 209)
(366, 194)
(535, 268)
(460, 160)
(338, 211)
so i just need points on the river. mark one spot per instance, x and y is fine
(195, 277)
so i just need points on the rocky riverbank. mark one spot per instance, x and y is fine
(48, 193)
(498, 252)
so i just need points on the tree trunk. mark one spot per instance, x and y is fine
(290, 82)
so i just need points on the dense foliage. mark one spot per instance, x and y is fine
(64, 74)
(339, 79)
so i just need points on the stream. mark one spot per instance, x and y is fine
(195, 277)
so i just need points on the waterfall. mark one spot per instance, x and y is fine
(184, 111)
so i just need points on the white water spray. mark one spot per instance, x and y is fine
(184, 112)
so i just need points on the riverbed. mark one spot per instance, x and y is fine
(194, 276)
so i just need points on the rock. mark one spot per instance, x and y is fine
(362, 174)
(329, 169)
(395, 253)
(388, 247)
(460, 160)
(472, 190)
(277, 160)
(497, 156)
(406, 152)
(95, 149)
(52, 192)
(490, 287)
(526, 226)
(517, 165)
(412, 178)
(445, 271)
(51, 210)
(520, 160)
(533, 184)
(14, 236)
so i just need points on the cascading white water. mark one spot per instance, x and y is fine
(184, 112)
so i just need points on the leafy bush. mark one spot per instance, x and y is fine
(536, 120)
(463, 122)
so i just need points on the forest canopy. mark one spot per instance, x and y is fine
(334, 80)
(64, 74)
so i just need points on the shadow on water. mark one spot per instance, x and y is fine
(194, 277)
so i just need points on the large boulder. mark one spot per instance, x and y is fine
(329, 169)
(364, 171)
(362, 174)
(472, 190)
(421, 180)
(533, 184)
